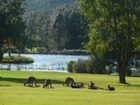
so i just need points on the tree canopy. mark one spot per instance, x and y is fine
(11, 24)
(65, 28)
(114, 26)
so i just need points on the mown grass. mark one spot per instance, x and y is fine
(12, 91)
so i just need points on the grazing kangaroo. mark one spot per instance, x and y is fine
(30, 81)
(68, 81)
(111, 88)
(47, 83)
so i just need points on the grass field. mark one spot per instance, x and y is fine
(12, 91)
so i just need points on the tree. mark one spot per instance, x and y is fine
(59, 31)
(11, 24)
(69, 28)
(64, 28)
(114, 24)
(37, 28)
(76, 26)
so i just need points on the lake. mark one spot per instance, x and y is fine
(44, 62)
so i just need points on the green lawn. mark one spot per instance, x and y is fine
(12, 91)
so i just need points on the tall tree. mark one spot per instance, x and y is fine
(59, 30)
(114, 24)
(11, 24)
(76, 26)
(37, 28)
(69, 28)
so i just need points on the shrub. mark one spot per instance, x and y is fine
(17, 59)
(94, 66)
(79, 66)
(136, 73)
(86, 66)
(70, 66)
(90, 65)
(128, 72)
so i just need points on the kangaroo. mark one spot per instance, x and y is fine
(111, 88)
(30, 81)
(47, 83)
(68, 81)
(91, 85)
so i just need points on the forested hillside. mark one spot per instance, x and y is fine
(46, 26)
(54, 24)
(45, 5)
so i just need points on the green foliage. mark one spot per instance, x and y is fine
(37, 29)
(70, 66)
(76, 26)
(136, 73)
(79, 66)
(86, 66)
(17, 59)
(137, 43)
(11, 23)
(69, 28)
(113, 26)
(59, 32)
(41, 23)
(90, 65)
(43, 5)
(11, 19)
(63, 28)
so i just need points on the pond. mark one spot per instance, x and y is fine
(45, 62)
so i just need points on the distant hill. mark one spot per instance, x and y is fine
(45, 5)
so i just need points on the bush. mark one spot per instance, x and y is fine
(79, 66)
(86, 66)
(90, 65)
(94, 66)
(136, 73)
(70, 66)
(128, 72)
(17, 59)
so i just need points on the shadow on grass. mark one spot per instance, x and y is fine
(22, 80)
(129, 85)
(132, 85)
(5, 85)
(33, 86)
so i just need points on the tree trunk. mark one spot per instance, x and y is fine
(121, 54)
(122, 61)
(122, 75)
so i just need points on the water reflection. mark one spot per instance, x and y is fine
(44, 63)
